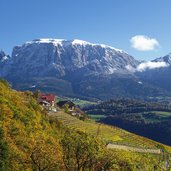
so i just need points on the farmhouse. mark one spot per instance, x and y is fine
(47, 101)
(67, 104)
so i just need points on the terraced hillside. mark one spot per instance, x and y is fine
(108, 134)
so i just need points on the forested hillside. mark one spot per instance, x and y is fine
(33, 141)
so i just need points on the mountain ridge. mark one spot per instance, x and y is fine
(85, 68)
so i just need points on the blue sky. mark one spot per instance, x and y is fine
(111, 22)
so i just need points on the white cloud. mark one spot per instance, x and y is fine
(144, 43)
(151, 65)
(146, 66)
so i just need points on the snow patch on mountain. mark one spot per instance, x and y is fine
(84, 43)
(80, 42)
(4, 58)
(44, 40)
(139, 82)
(57, 42)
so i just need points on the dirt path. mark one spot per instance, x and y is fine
(134, 149)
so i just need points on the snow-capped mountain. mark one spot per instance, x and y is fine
(74, 67)
(58, 57)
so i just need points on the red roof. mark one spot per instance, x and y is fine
(47, 97)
